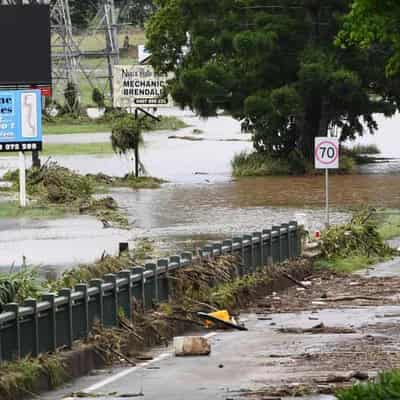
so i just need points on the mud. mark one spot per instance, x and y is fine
(339, 331)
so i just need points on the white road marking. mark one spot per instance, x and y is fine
(128, 371)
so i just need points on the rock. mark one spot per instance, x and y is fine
(191, 346)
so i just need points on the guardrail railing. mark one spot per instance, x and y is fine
(56, 321)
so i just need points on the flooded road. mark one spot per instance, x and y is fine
(200, 202)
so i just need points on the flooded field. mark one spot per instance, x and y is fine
(200, 202)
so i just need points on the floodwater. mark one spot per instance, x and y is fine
(201, 200)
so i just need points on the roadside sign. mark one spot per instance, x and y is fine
(326, 153)
(139, 86)
(20, 120)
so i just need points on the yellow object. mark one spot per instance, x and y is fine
(223, 315)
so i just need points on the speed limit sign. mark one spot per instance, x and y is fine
(326, 153)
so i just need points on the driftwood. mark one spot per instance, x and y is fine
(286, 275)
(351, 298)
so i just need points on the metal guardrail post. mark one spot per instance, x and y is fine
(217, 248)
(241, 268)
(296, 239)
(152, 285)
(125, 296)
(140, 271)
(277, 228)
(286, 248)
(110, 302)
(99, 306)
(67, 293)
(250, 265)
(260, 256)
(175, 259)
(164, 288)
(15, 347)
(268, 258)
(35, 325)
(228, 245)
(83, 332)
(52, 334)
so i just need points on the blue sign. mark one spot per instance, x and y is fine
(20, 120)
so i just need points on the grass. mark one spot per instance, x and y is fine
(20, 378)
(389, 223)
(255, 164)
(63, 126)
(71, 128)
(347, 264)
(385, 387)
(12, 209)
(142, 182)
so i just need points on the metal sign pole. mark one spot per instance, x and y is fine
(22, 180)
(327, 190)
(327, 222)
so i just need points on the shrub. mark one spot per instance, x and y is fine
(71, 98)
(386, 387)
(98, 98)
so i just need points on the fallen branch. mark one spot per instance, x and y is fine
(116, 353)
(286, 275)
(351, 298)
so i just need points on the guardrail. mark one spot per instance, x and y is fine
(56, 321)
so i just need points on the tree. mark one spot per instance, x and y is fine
(126, 138)
(370, 22)
(273, 65)
(136, 12)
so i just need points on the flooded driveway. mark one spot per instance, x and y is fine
(200, 202)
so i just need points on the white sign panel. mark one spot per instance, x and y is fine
(139, 86)
(326, 153)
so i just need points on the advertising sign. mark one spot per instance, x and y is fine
(139, 86)
(20, 120)
(326, 153)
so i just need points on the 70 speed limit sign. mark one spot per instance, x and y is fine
(326, 153)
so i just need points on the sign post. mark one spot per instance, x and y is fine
(21, 128)
(326, 157)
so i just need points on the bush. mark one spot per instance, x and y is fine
(54, 184)
(126, 134)
(359, 237)
(71, 99)
(260, 164)
(98, 98)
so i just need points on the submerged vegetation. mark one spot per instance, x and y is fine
(262, 164)
(55, 190)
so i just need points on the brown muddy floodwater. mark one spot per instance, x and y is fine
(201, 201)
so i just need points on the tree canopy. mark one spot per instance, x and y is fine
(273, 65)
(370, 22)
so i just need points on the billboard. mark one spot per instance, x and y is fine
(139, 86)
(20, 120)
(25, 45)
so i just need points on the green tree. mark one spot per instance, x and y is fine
(126, 138)
(273, 65)
(370, 22)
